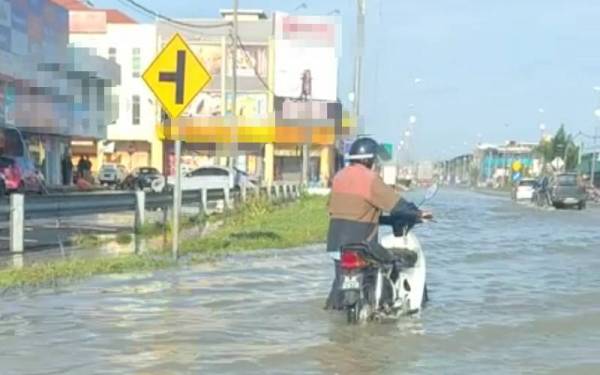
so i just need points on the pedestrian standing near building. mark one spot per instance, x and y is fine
(87, 168)
(67, 169)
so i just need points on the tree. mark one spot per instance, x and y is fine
(561, 146)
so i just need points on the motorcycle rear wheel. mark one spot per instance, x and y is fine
(353, 314)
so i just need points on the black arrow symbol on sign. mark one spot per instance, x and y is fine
(177, 77)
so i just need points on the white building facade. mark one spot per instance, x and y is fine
(131, 140)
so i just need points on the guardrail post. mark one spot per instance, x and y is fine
(140, 208)
(226, 192)
(204, 201)
(244, 193)
(277, 191)
(17, 222)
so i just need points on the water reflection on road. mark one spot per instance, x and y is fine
(513, 289)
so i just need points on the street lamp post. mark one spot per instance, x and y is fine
(360, 30)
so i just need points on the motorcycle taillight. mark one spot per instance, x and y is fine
(350, 260)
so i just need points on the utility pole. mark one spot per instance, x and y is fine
(233, 157)
(234, 57)
(594, 156)
(360, 31)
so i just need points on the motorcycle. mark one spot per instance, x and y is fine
(373, 290)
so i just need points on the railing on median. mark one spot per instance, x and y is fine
(19, 208)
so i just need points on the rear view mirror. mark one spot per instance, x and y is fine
(431, 192)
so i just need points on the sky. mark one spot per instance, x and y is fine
(468, 70)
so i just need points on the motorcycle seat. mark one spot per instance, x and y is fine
(406, 258)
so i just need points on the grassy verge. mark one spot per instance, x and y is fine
(257, 225)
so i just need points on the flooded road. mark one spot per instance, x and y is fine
(513, 289)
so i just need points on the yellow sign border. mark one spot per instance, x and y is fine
(177, 35)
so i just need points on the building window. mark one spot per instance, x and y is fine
(112, 54)
(135, 110)
(135, 63)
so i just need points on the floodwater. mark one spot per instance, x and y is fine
(513, 288)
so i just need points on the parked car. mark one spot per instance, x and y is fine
(213, 177)
(565, 191)
(11, 176)
(523, 189)
(144, 178)
(111, 174)
(20, 174)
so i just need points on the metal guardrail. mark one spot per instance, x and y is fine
(64, 205)
(73, 204)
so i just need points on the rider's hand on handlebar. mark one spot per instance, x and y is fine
(425, 215)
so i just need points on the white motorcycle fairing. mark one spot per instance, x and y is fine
(411, 282)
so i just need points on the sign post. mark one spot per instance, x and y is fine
(175, 77)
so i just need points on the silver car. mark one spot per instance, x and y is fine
(111, 174)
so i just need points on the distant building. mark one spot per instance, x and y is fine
(494, 161)
(49, 90)
(131, 139)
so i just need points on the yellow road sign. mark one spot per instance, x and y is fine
(517, 166)
(176, 76)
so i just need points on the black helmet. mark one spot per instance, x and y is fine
(367, 149)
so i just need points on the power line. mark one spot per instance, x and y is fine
(254, 68)
(174, 21)
(155, 14)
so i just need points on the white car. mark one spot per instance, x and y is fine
(111, 174)
(211, 177)
(524, 189)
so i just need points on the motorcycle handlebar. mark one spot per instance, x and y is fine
(402, 223)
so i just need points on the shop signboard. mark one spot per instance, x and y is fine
(306, 46)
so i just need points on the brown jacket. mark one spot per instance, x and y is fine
(358, 196)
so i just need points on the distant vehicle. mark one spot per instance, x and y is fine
(213, 177)
(144, 178)
(112, 174)
(10, 177)
(565, 191)
(20, 174)
(523, 189)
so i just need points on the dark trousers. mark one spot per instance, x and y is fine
(334, 300)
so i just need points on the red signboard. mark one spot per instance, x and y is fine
(87, 21)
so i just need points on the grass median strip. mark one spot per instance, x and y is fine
(258, 224)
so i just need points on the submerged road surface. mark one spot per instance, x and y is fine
(514, 289)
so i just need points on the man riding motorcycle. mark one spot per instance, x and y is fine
(358, 197)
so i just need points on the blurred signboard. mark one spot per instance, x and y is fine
(389, 148)
(87, 21)
(306, 45)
